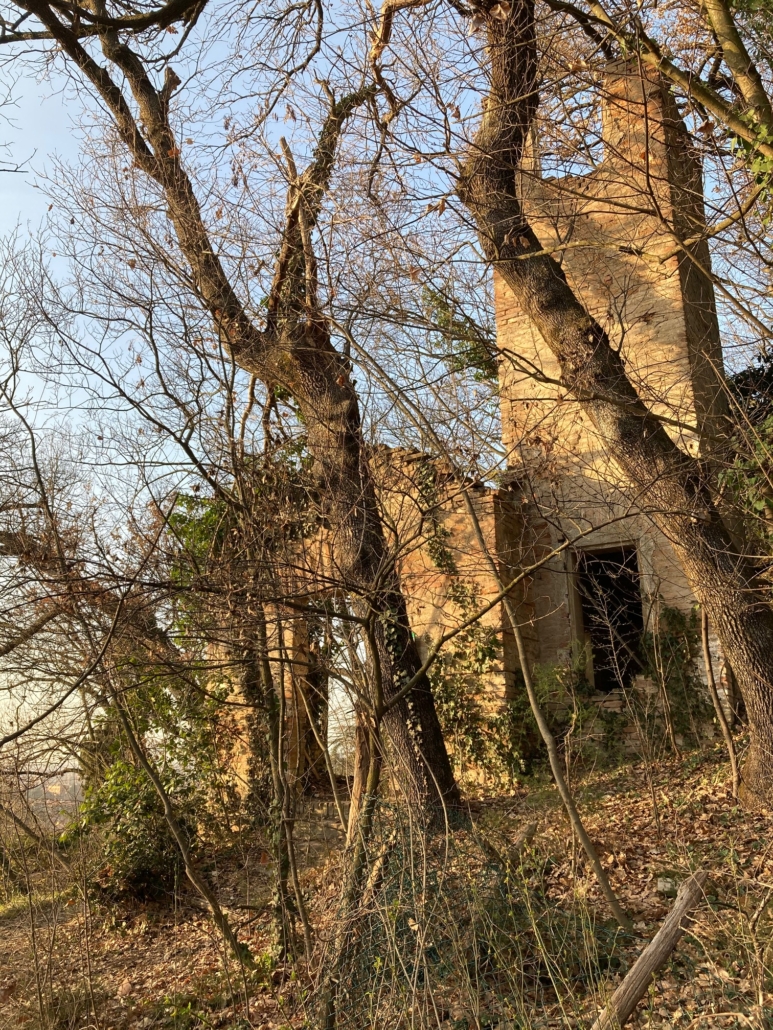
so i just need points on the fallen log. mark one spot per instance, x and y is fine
(653, 958)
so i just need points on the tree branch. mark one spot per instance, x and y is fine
(654, 957)
(651, 54)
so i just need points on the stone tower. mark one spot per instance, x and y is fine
(617, 232)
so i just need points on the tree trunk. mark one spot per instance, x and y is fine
(670, 486)
(724, 725)
(292, 350)
(359, 779)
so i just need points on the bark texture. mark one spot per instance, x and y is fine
(670, 486)
(293, 350)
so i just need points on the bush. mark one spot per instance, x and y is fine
(141, 857)
(454, 934)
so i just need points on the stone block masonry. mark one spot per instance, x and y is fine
(618, 233)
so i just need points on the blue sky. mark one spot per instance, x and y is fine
(34, 127)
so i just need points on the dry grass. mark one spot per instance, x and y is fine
(68, 964)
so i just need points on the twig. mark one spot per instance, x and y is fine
(34, 836)
(513, 852)
(719, 1015)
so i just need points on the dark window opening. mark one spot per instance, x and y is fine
(612, 615)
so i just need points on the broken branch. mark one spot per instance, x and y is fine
(634, 986)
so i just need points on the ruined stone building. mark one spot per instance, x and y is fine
(615, 230)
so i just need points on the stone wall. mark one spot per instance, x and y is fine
(615, 231)
(445, 573)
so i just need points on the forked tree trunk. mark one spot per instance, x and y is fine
(670, 485)
(293, 350)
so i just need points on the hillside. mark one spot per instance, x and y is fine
(70, 961)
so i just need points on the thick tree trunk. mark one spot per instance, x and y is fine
(670, 486)
(293, 350)
(412, 724)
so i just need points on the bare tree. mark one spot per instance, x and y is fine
(292, 350)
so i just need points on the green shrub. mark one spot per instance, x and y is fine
(141, 858)
(672, 660)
